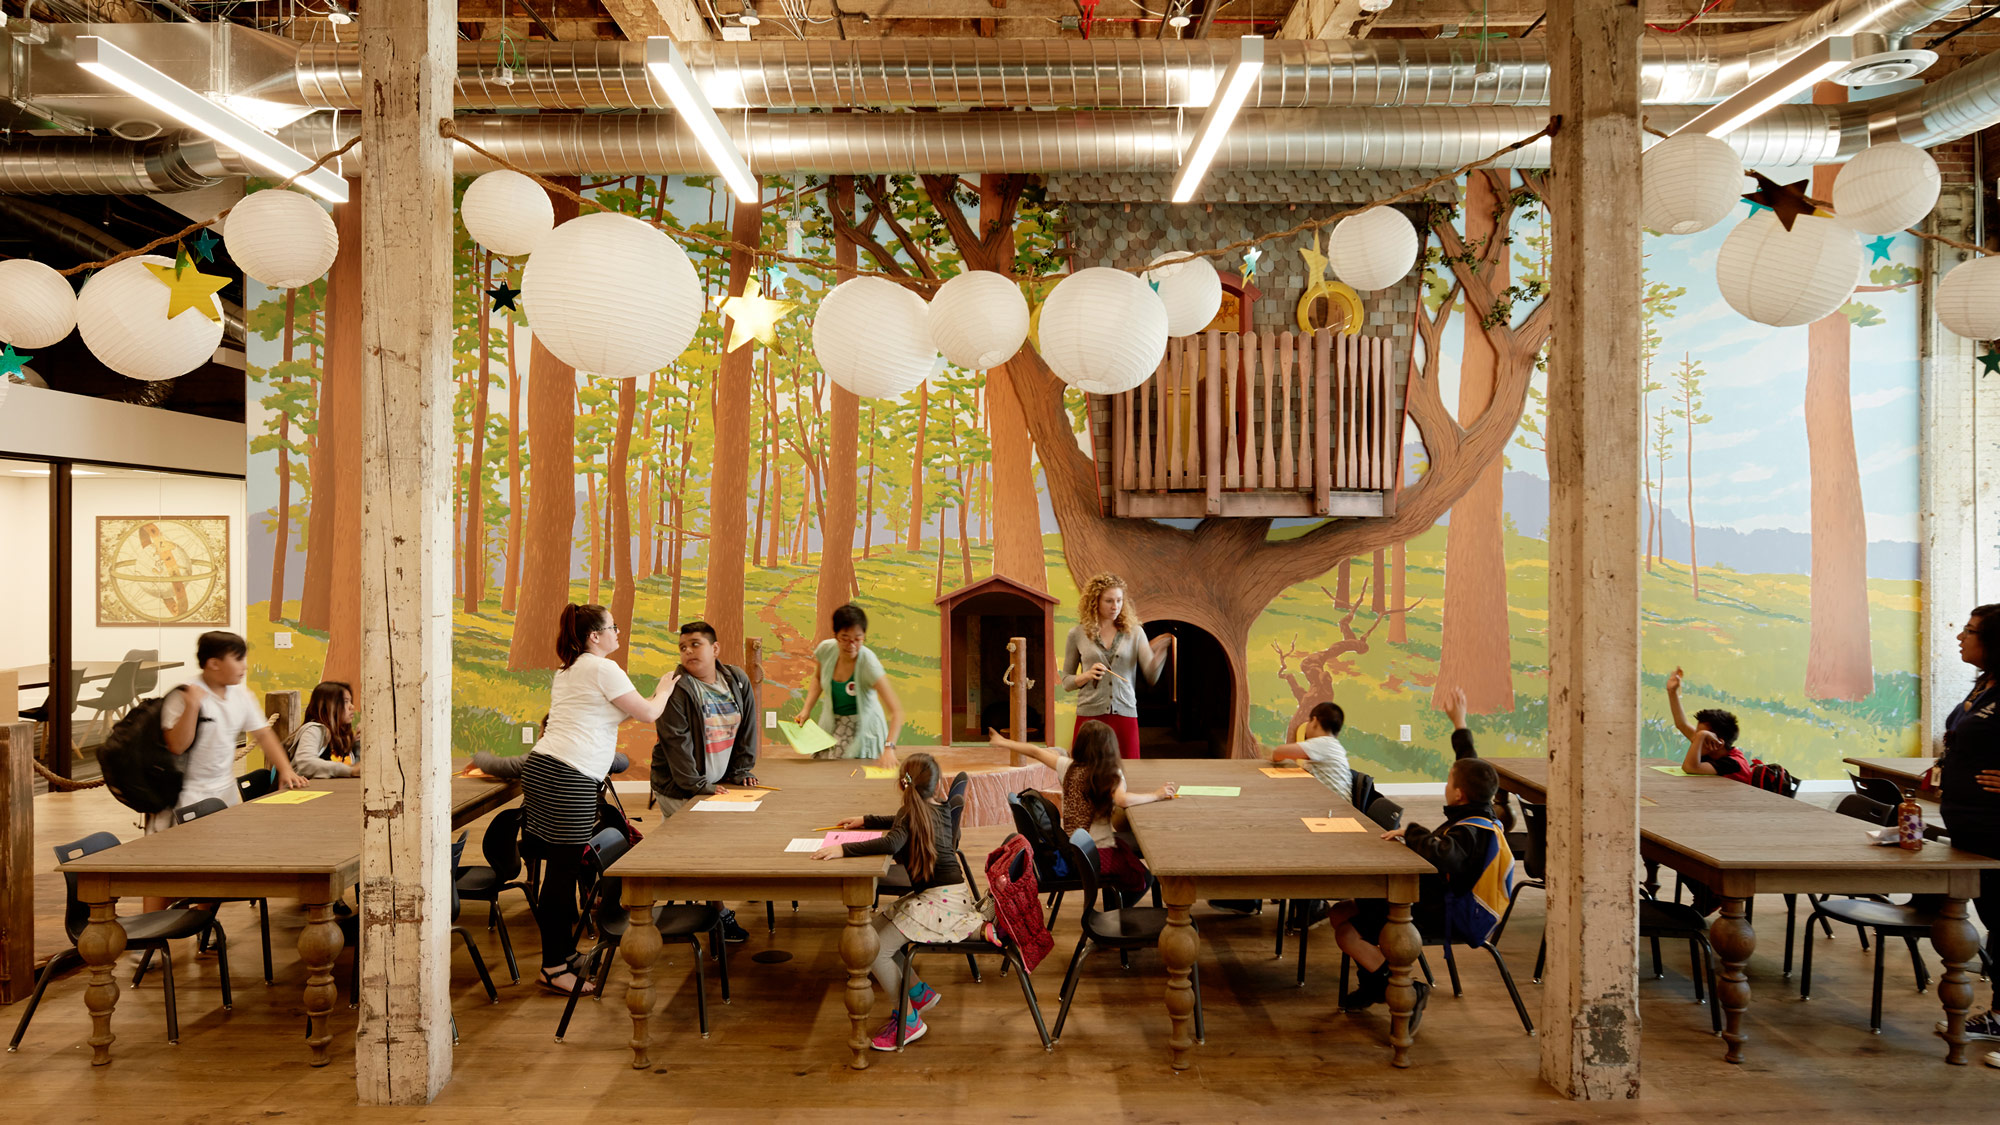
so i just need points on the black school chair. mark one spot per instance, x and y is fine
(501, 872)
(1054, 875)
(1125, 930)
(208, 806)
(972, 947)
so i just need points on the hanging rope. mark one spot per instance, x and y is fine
(58, 781)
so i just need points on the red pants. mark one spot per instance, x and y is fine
(1126, 727)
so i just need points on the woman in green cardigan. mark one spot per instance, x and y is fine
(853, 692)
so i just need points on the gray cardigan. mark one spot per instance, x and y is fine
(680, 756)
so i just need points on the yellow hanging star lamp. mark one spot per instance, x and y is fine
(1336, 295)
(188, 287)
(753, 316)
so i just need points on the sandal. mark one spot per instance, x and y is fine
(548, 983)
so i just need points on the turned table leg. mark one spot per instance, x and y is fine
(100, 945)
(1179, 946)
(320, 944)
(1734, 941)
(1402, 945)
(858, 947)
(1957, 942)
(641, 949)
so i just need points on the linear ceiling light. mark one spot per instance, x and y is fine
(1221, 114)
(1816, 63)
(136, 78)
(670, 70)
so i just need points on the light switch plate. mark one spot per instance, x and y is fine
(1406, 732)
(281, 640)
(528, 735)
(770, 720)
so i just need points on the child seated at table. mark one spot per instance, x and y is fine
(325, 745)
(1093, 789)
(1319, 750)
(1711, 740)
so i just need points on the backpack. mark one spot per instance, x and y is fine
(1773, 778)
(138, 768)
(1473, 912)
(1038, 819)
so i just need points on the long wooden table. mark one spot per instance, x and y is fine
(37, 675)
(1257, 846)
(707, 856)
(310, 852)
(1905, 772)
(1743, 842)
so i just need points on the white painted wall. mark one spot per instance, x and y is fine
(24, 575)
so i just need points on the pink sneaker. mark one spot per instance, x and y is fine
(925, 1000)
(885, 1039)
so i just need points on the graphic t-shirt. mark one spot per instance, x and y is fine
(720, 719)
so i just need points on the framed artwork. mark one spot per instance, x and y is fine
(163, 570)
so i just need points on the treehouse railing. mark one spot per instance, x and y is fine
(1260, 425)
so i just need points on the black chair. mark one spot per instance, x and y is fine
(972, 948)
(257, 783)
(1878, 789)
(501, 871)
(1054, 875)
(1675, 922)
(471, 947)
(1447, 939)
(1125, 930)
(205, 807)
(1534, 873)
(677, 922)
(149, 932)
(1885, 918)
(40, 713)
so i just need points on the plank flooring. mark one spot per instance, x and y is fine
(776, 1051)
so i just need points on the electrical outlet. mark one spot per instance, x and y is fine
(1406, 732)
(528, 734)
(770, 720)
(281, 640)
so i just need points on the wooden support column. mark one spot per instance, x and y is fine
(1590, 1020)
(285, 711)
(403, 1046)
(17, 867)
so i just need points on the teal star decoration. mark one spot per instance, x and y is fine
(1990, 360)
(1154, 282)
(1250, 257)
(205, 244)
(12, 361)
(1880, 247)
(503, 297)
(1754, 208)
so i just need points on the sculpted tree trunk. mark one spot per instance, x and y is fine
(1312, 681)
(730, 482)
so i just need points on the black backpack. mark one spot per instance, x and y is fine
(1037, 818)
(138, 768)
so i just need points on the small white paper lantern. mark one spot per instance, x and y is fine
(1191, 290)
(979, 319)
(1968, 299)
(507, 212)
(284, 239)
(1103, 330)
(37, 306)
(122, 314)
(1692, 181)
(1784, 278)
(1373, 250)
(1886, 188)
(611, 295)
(873, 337)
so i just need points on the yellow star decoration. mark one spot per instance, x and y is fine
(1315, 261)
(189, 288)
(755, 316)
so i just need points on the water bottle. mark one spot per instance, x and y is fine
(1910, 822)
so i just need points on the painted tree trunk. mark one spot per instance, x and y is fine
(1378, 589)
(475, 504)
(516, 428)
(1017, 511)
(1687, 455)
(623, 590)
(283, 544)
(915, 542)
(868, 516)
(647, 539)
(1343, 575)
(728, 541)
(591, 521)
(758, 525)
(340, 437)
(1398, 571)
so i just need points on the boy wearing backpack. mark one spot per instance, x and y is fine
(1711, 739)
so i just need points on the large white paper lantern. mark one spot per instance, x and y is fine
(1692, 181)
(873, 337)
(1373, 250)
(979, 319)
(1968, 299)
(1783, 278)
(1886, 188)
(507, 212)
(37, 306)
(1191, 290)
(610, 295)
(122, 315)
(284, 239)
(1103, 330)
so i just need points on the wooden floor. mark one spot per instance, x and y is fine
(1274, 1051)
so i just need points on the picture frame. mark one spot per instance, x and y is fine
(155, 571)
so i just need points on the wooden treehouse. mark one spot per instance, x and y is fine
(1255, 425)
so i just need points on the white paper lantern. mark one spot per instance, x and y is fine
(1373, 250)
(37, 306)
(1887, 188)
(1191, 290)
(1692, 181)
(1968, 299)
(507, 213)
(284, 239)
(873, 337)
(1103, 330)
(979, 319)
(1783, 278)
(610, 295)
(122, 314)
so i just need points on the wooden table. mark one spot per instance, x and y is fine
(37, 675)
(309, 852)
(1742, 842)
(1255, 846)
(1905, 772)
(712, 856)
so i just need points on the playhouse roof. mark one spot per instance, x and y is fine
(996, 583)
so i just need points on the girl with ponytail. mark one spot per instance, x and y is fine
(923, 837)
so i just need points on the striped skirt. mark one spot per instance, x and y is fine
(559, 803)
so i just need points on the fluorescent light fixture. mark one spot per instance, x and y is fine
(136, 78)
(670, 70)
(1816, 63)
(266, 115)
(1221, 114)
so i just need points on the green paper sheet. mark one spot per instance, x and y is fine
(1210, 791)
(1673, 771)
(806, 738)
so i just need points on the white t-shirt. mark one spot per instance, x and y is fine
(583, 722)
(1326, 759)
(209, 764)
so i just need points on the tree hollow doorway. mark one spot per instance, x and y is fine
(1188, 713)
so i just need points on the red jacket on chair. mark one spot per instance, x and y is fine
(1017, 899)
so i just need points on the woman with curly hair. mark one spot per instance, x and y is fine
(1104, 651)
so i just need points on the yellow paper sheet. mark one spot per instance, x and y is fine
(293, 796)
(1271, 771)
(807, 737)
(1674, 771)
(1332, 823)
(750, 795)
(1647, 802)
(879, 773)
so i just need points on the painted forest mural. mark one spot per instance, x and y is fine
(1779, 537)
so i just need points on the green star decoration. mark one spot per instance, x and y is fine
(12, 361)
(205, 244)
(1880, 247)
(1250, 257)
(1990, 359)
(503, 297)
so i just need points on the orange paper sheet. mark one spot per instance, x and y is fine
(1332, 823)
(1277, 771)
